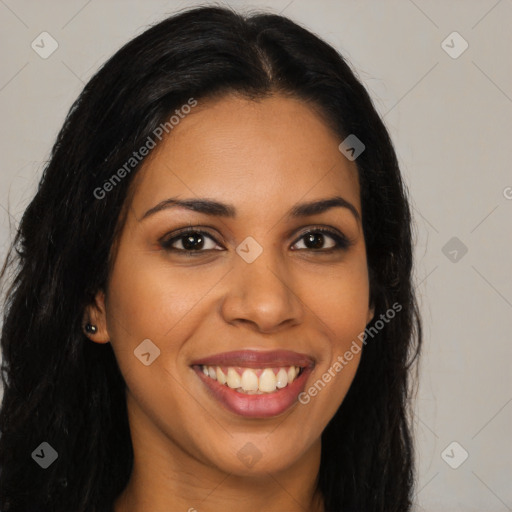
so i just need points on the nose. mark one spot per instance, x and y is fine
(262, 295)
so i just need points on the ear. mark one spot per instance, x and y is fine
(95, 314)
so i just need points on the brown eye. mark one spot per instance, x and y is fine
(316, 238)
(190, 241)
(193, 241)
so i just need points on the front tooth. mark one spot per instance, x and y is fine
(233, 379)
(268, 380)
(281, 378)
(205, 370)
(291, 374)
(221, 376)
(249, 381)
(211, 372)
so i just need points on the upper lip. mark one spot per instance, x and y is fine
(256, 359)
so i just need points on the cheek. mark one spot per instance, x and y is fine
(341, 302)
(150, 299)
(341, 305)
(147, 302)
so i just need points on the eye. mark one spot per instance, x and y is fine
(314, 240)
(190, 241)
(195, 241)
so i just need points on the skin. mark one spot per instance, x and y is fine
(263, 157)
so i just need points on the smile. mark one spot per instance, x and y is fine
(253, 383)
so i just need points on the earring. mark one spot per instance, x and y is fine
(91, 329)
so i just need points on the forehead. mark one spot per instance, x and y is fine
(262, 155)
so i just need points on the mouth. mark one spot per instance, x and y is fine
(253, 383)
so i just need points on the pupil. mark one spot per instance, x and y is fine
(190, 244)
(311, 237)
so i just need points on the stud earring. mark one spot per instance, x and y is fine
(91, 329)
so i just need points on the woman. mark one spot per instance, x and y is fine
(212, 305)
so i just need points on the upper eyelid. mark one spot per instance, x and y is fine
(192, 229)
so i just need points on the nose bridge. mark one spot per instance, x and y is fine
(260, 290)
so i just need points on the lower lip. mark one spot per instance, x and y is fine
(256, 406)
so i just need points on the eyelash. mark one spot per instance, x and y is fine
(341, 242)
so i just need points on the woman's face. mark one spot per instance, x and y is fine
(255, 295)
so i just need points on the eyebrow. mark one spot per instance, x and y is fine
(216, 208)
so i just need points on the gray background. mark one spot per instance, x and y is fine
(450, 119)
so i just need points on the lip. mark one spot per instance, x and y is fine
(256, 406)
(257, 359)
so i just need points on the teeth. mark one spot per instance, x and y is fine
(233, 379)
(267, 381)
(281, 378)
(248, 382)
(221, 377)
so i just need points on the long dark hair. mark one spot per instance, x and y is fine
(63, 389)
